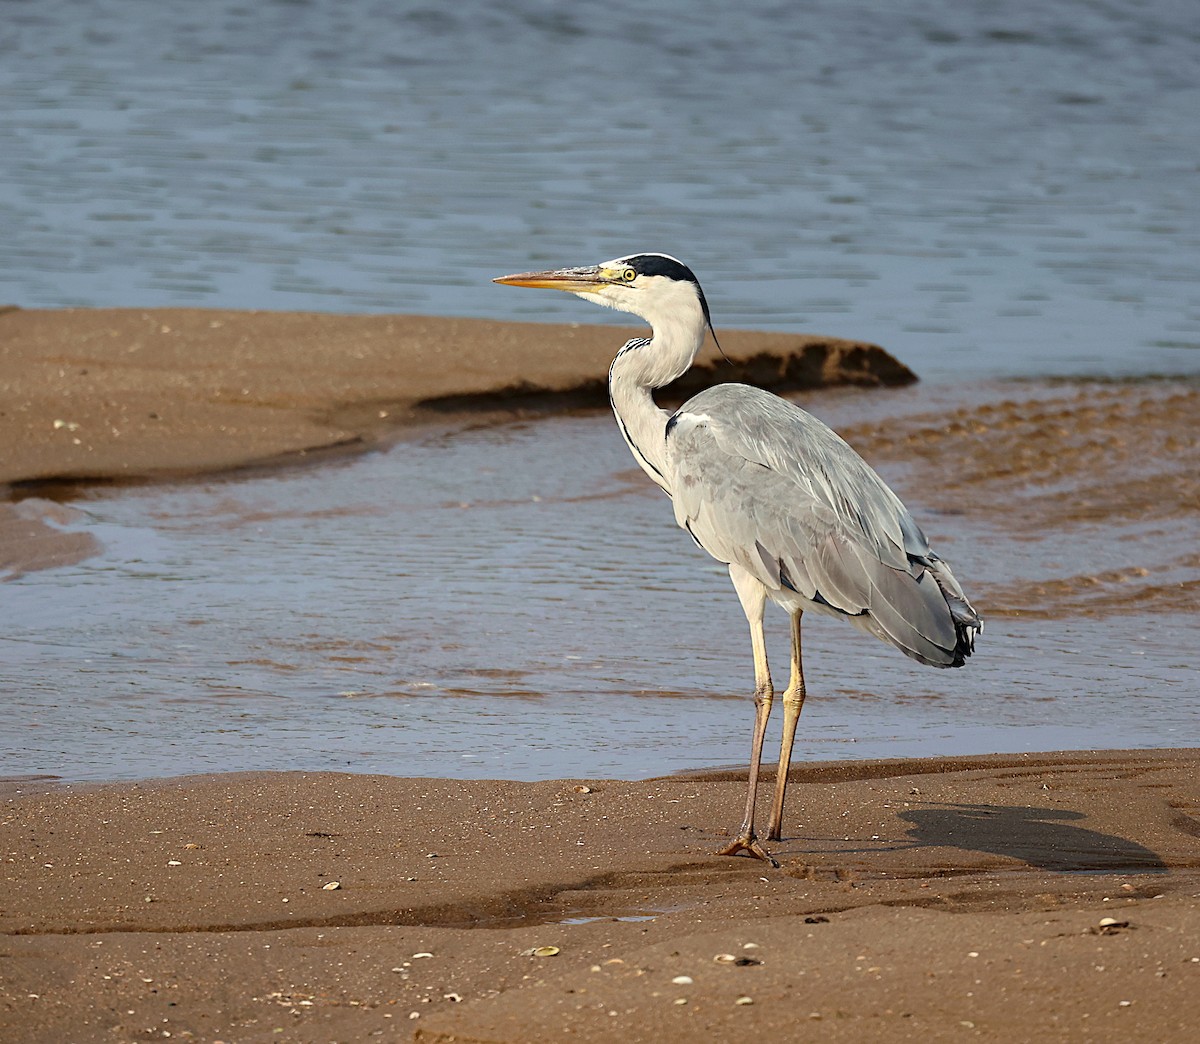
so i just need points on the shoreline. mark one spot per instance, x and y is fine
(1026, 895)
(118, 394)
(821, 770)
(122, 395)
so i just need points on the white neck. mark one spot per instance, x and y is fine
(640, 367)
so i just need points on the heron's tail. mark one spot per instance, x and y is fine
(922, 612)
(967, 622)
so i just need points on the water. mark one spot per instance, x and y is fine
(516, 601)
(987, 190)
(982, 188)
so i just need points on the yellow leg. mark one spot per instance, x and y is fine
(754, 599)
(793, 703)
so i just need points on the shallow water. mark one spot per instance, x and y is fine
(515, 600)
(981, 189)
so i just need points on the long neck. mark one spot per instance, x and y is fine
(639, 368)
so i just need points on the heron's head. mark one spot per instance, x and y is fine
(657, 287)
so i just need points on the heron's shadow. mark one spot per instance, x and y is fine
(1042, 837)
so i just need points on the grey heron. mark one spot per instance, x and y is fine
(796, 514)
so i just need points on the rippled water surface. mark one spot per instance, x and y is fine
(980, 188)
(986, 190)
(516, 601)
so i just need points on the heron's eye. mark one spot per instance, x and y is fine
(629, 275)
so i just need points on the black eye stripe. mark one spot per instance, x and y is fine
(660, 265)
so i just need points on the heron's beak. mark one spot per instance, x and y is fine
(575, 280)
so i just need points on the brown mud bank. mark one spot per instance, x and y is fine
(1015, 897)
(125, 393)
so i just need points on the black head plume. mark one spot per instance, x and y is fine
(672, 268)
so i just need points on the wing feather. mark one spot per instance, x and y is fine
(759, 482)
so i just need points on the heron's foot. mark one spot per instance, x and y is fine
(749, 843)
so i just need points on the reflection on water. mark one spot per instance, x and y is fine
(516, 601)
(978, 187)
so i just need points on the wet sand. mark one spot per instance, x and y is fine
(1039, 896)
(1117, 463)
(1023, 897)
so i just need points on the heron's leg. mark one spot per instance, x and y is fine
(754, 599)
(793, 703)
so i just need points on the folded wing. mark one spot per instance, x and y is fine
(759, 482)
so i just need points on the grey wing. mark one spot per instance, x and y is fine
(759, 482)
